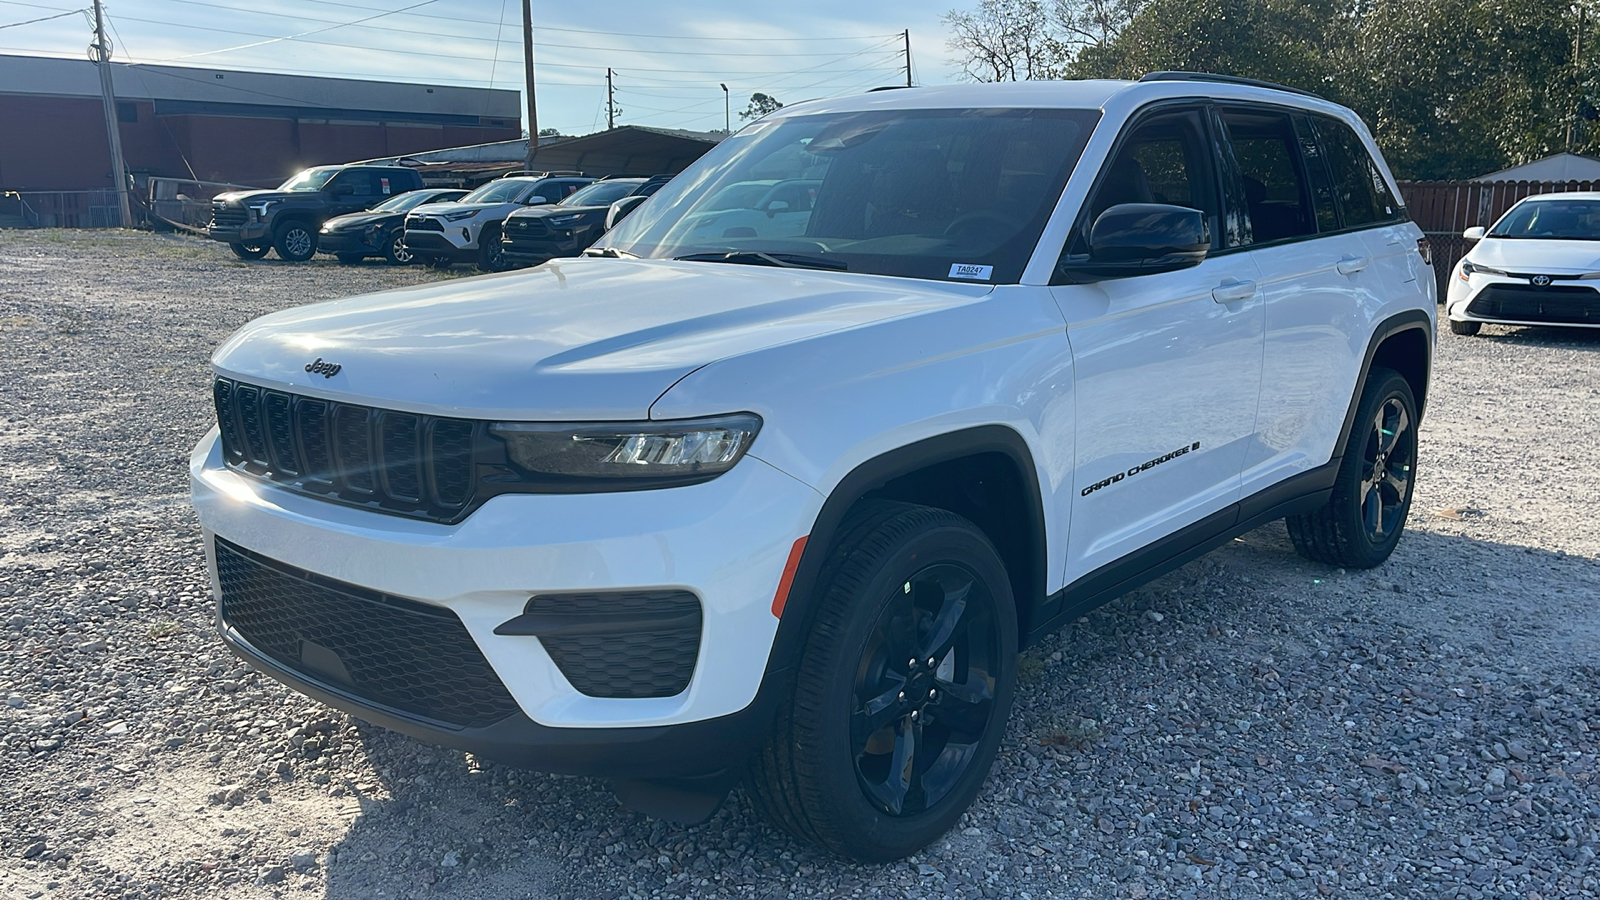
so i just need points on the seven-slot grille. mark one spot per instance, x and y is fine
(1559, 304)
(228, 216)
(398, 462)
(403, 656)
(423, 223)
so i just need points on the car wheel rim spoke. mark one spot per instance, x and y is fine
(943, 628)
(1388, 459)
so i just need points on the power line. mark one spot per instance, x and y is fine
(70, 12)
(302, 34)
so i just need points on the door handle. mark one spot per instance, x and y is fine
(1349, 265)
(1233, 290)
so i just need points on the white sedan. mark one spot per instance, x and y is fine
(1538, 265)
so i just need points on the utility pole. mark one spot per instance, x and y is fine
(1577, 78)
(527, 65)
(100, 52)
(908, 57)
(727, 111)
(611, 102)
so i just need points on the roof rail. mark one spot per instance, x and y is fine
(528, 173)
(1227, 79)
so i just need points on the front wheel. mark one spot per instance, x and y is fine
(1467, 329)
(249, 251)
(395, 251)
(294, 241)
(1362, 521)
(903, 688)
(491, 253)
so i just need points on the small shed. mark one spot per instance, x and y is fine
(1558, 167)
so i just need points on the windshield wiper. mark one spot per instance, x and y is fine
(762, 258)
(609, 253)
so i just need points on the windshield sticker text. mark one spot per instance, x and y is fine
(971, 272)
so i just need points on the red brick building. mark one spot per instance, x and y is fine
(223, 125)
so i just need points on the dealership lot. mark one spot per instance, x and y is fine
(1251, 725)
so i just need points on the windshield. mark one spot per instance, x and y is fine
(310, 179)
(946, 194)
(497, 192)
(410, 199)
(601, 193)
(1551, 220)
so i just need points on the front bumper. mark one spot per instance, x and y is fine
(531, 251)
(248, 233)
(347, 242)
(725, 540)
(440, 244)
(1569, 303)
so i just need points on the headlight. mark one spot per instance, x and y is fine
(260, 209)
(1469, 269)
(564, 221)
(629, 454)
(460, 214)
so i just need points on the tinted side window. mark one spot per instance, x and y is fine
(1317, 174)
(1165, 159)
(1363, 194)
(361, 182)
(1276, 193)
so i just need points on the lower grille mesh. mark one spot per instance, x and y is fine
(1556, 304)
(644, 661)
(407, 657)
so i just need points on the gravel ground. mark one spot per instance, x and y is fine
(1251, 725)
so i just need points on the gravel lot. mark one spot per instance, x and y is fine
(1251, 725)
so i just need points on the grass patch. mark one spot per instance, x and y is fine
(160, 631)
(1078, 736)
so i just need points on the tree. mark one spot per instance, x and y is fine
(549, 132)
(1006, 40)
(760, 105)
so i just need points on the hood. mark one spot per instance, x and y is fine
(242, 197)
(540, 212)
(360, 219)
(449, 206)
(570, 340)
(1530, 256)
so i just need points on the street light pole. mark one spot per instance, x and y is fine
(727, 111)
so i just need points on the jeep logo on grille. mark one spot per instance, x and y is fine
(1540, 280)
(325, 369)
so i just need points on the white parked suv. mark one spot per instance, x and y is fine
(710, 505)
(1538, 265)
(468, 230)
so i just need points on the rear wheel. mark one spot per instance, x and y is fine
(1464, 328)
(491, 253)
(294, 241)
(249, 251)
(904, 685)
(395, 252)
(1363, 520)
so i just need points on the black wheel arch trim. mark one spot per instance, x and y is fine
(1411, 319)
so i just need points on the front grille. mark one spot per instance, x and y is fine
(423, 223)
(527, 227)
(1557, 304)
(396, 462)
(616, 661)
(404, 657)
(224, 216)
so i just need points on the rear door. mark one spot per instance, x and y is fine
(1316, 282)
(1167, 366)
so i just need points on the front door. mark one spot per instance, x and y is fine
(1167, 366)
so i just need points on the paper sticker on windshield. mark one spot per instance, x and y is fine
(385, 184)
(971, 272)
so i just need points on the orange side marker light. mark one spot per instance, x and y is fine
(787, 581)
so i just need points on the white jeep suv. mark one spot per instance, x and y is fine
(709, 504)
(468, 230)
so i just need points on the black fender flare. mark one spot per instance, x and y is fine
(1411, 319)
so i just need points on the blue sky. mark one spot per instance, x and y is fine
(669, 58)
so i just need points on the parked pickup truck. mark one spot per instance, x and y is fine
(286, 219)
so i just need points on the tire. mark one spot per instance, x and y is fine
(441, 263)
(890, 585)
(350, 259)
(1467, 329)
(1363, 520)
(295, 241)
(249, 251)
(395, 252)
(491, 253)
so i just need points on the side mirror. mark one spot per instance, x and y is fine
(777, 206)
(1141, 239)
(344, 190)
(536, 200)
(621, 208)
(1475, 233)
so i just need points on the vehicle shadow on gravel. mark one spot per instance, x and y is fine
(1540, 336)
(1250, 725)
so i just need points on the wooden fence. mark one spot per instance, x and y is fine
(1444, 209)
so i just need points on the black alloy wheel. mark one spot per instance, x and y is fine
(925, 689)
(249, 251)
(900, 698)
(491, 253)
(295, 241)
(1366, 514)
(396, 252)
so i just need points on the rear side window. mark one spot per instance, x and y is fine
(1363, 194)
(1317, 174)
(1276, 191)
